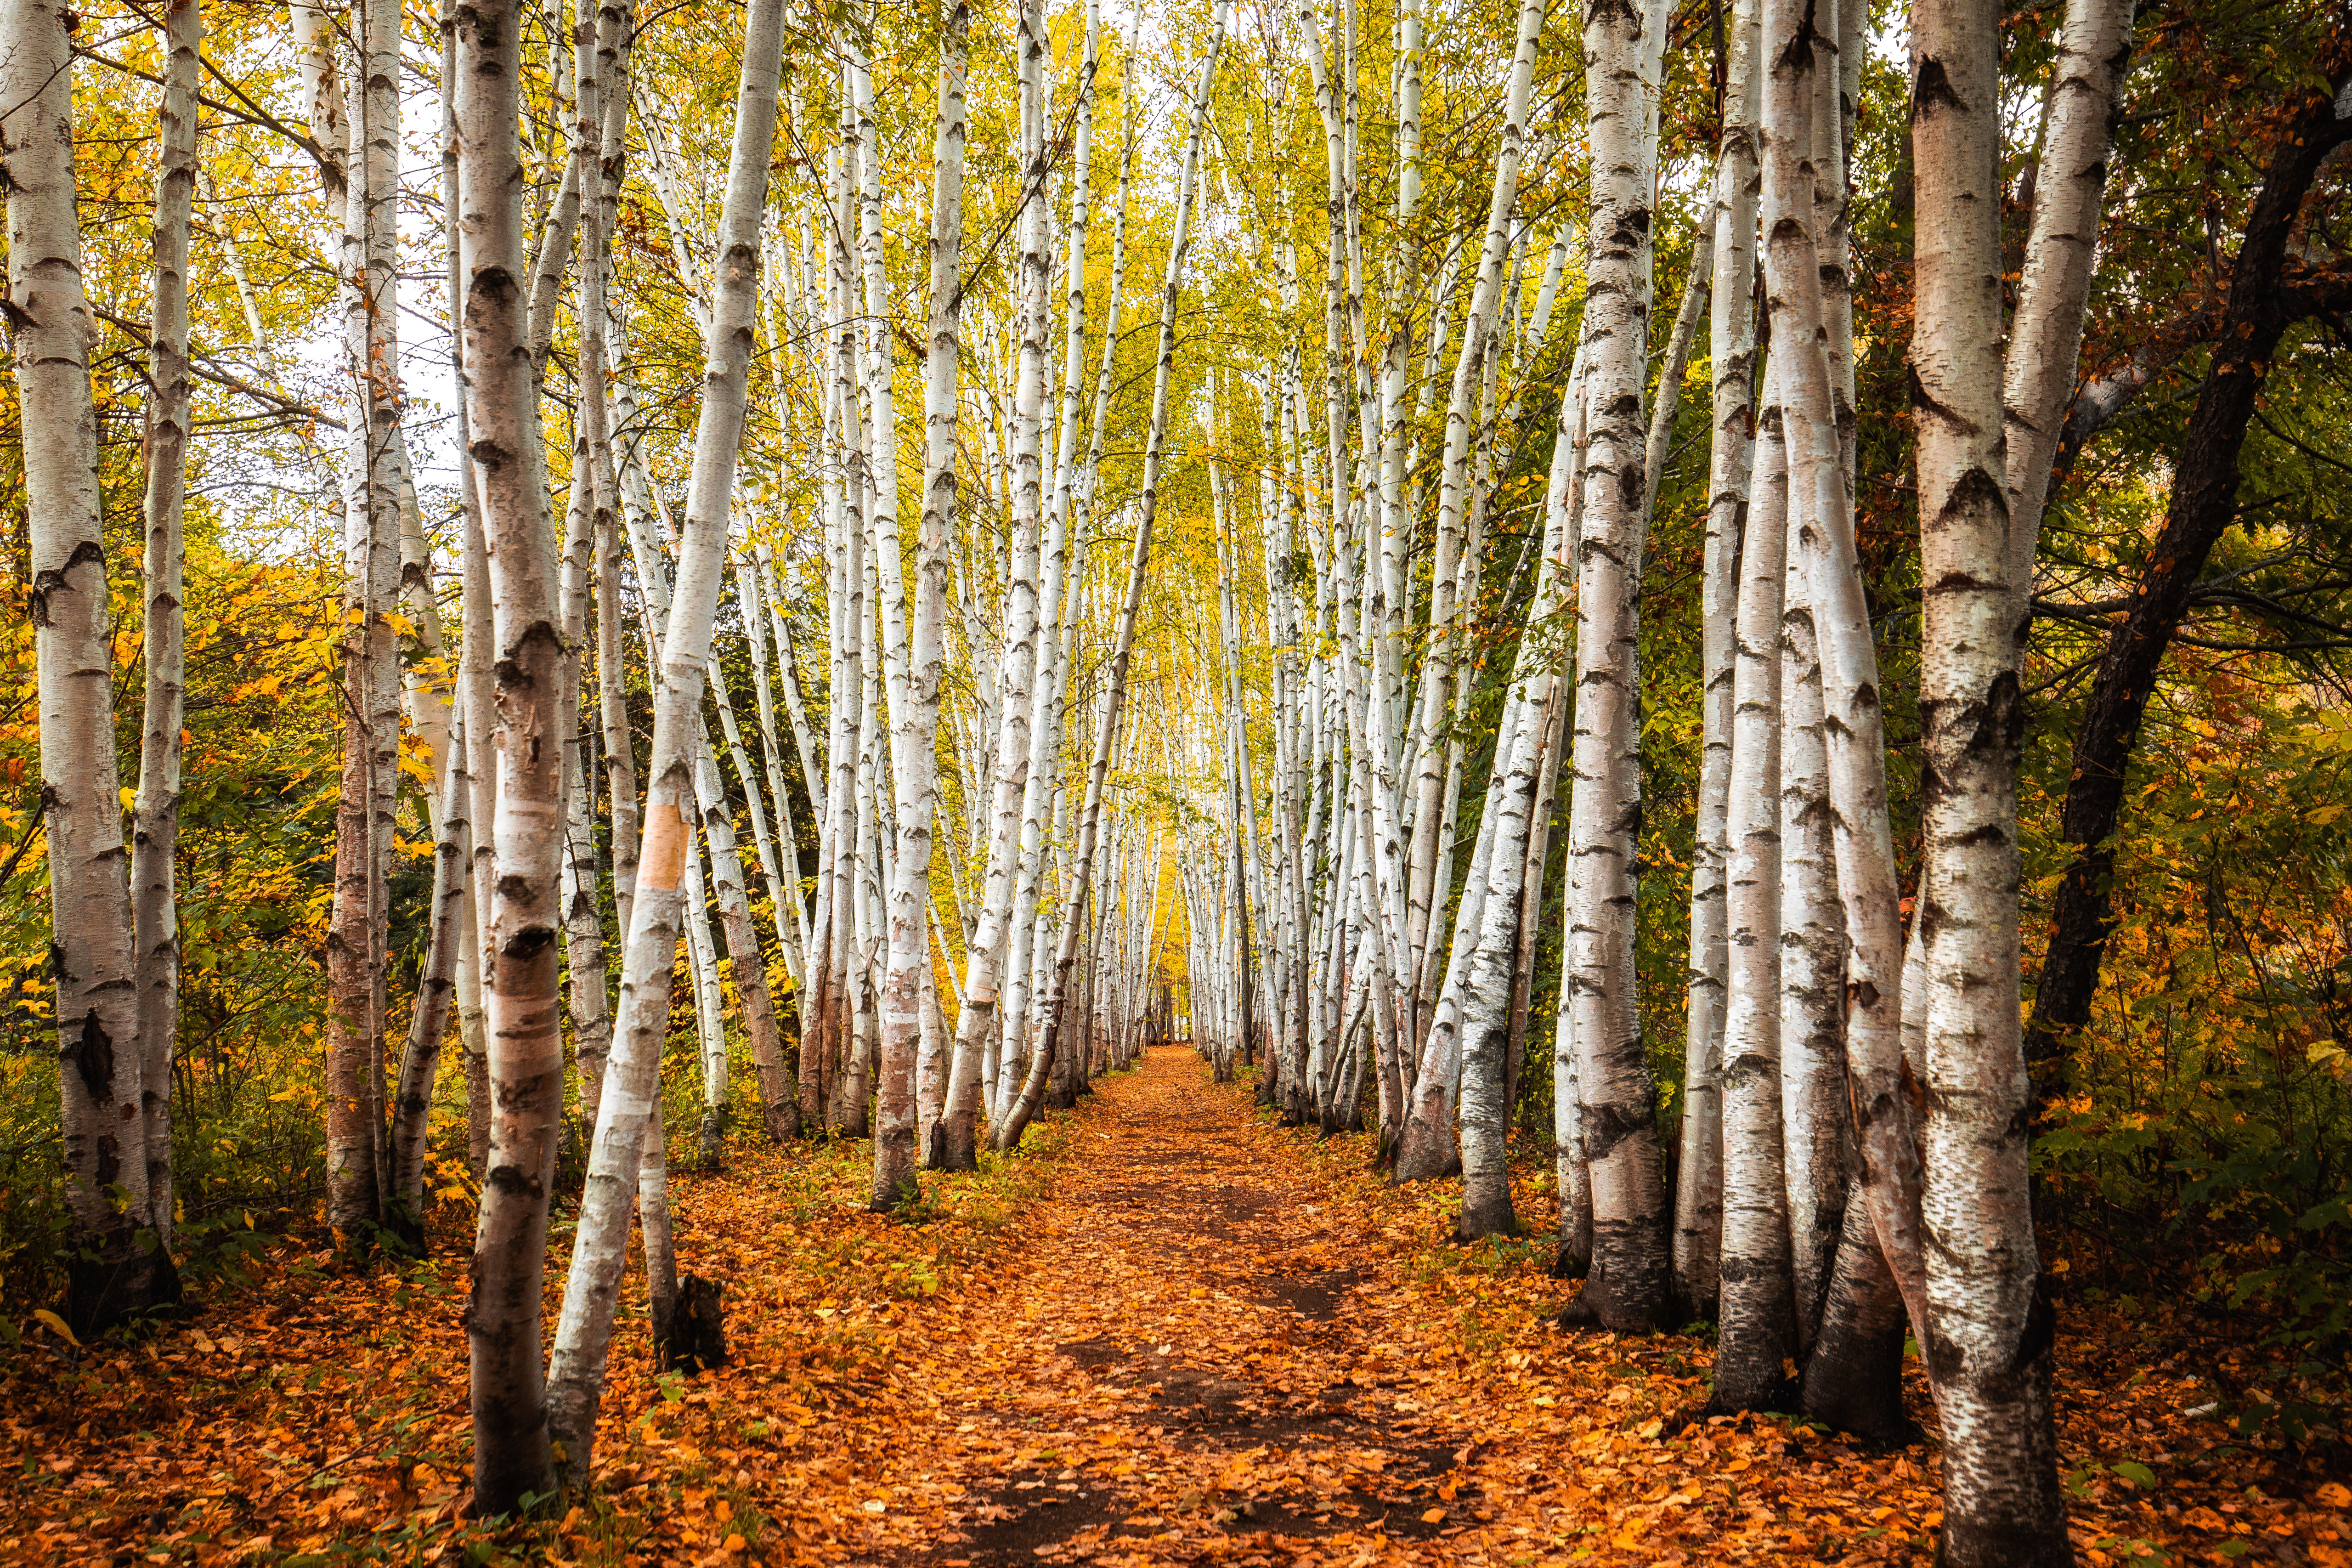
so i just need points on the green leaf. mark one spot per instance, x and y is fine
(2138, 1474)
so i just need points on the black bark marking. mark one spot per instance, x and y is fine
(92, 1054)
(1933, 88)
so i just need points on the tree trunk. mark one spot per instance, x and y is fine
(1758, 1317)
(1628, 1287)
(1989, 1327)
(2202, 506)
(420, 1062)
(778, 1115)
(476, 719)
(511, 1456)
(1731, 436)
(155, 815)
(585, 1332)
(908, 999)
(102, 1072)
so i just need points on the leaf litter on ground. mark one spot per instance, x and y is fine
(1165, 1331)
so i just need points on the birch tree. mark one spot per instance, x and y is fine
(584, 1333)
(99, 1050)
(906, 1004)
(513, 1459)
(1990, 1327)
(1627, 1287)
(155, 814)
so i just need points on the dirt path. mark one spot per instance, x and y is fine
(1201, 1380)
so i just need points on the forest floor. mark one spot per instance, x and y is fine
(1166, 1333)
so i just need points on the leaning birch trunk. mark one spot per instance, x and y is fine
(1987, 1339)
(1426, 1148)
(353, 1076)
(583, 1334)
(472, 697)
(1627, 1287)
(709, 1018)
(1817, 1135)
(1486, 986)
(1731, 337)
(915, 712)
(420, 1063)
(614, 21)
(2045, 338)
(779, 1117)
(1882, 1100)
(790, 905)
(584, 923)
(2039, 405)
(101, 1075)
(155, 815)
(511, 1456)
(1454, 487)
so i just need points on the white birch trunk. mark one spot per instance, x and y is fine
(1731, 338)
(511, 1453)
(1989, 1329)
(99, 1043)
(949, 1142)
(1758, 1312)
(1628, 1286)
(155, 814)
(583, 1334)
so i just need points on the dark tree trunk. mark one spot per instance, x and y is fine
(2204, 504)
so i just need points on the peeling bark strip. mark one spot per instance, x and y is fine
(102, 1072)
(583, 1335)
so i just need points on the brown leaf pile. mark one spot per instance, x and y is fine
(1165, 1334)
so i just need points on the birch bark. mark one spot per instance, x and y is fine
(1989, 1325)
(98, 1046)
(1628, 1286)
(155, 814)
(952, 1136)
(1731, 338)
(1452, 504)
(1757, 1315)
(511, 1455)
(584, 1333)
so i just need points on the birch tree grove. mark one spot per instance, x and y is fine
(1715, 656)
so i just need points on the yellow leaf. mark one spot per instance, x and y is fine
(2336, 1495)
(1435, 1516)
(56, 1326)
(735, 1544)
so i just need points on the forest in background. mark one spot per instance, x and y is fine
(2190, 1119)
